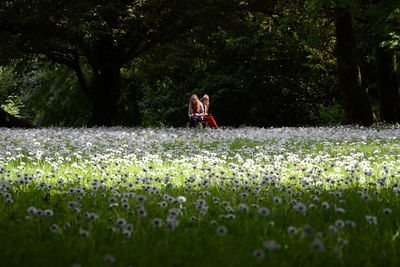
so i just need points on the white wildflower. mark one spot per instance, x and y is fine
(222, 230)
(258, 254)
(292, 230)
(263, 211)
(271, 244)
(317, 245)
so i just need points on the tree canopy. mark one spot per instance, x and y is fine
(279, 62)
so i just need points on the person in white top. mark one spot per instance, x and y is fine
(196, 111)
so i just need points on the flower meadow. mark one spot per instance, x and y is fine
(182, 197)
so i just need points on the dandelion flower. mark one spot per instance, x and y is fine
(292, 230)
(371, 219)
(172, 225)
(53, 228)
(109, 258)
(300, 207)
(317, 245)
(243, 208)
(222, 230)
(66, 225)
(84, 233)
(387, 211)
(307, 230)
(230, 216)
(350, 223)
(163, 204)
(332, 229)
(32, 210)
(141, 211)
(48, 212)
(325, 205)
(112, 205)
(263, 211)
(271, 245)
(312, 206)
(120, 222)
(258, 254)
(277, 200)
(342, 241)
(181, 199)
(340, 210)
(157, 222)
(141, 198)
(339, 224)
(129, 227)
(127, 233)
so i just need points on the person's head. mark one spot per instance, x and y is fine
(205, 99)
(194, 98)
(194, 104)
(206, 102)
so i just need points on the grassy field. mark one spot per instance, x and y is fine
(180, 197)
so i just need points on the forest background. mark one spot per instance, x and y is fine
(263, 63)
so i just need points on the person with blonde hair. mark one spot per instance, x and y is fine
(196, 111)
(205, 100)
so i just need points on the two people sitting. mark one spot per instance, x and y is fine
(198, 111)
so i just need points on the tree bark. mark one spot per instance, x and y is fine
(355, 101)
(388, 84)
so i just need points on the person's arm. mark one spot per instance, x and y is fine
(189, 114)
(201, 111)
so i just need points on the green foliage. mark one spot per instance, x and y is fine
(13, 105)
(385, 22)
(52, 97)
(107, 35)
(9, 83)
(260, 78)
(331, 115)
(263, 63)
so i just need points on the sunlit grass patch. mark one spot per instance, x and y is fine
(248, 196)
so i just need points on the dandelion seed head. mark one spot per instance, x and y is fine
(222, 230)
(387, 211)
(53, 228)
(292, 230)
(325, 205)
(258, 254)
(109, 258)
(271, 245)
(317, 245)
(120, 222)
(84, 233)
(243, 208)
(263, 211)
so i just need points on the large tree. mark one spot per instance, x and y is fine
(385, 28)
(102, 36)
(355, 101)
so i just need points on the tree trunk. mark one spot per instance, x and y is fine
(105, 92)
(355, 101)
(388, 84)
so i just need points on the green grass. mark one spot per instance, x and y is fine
(359, 175)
